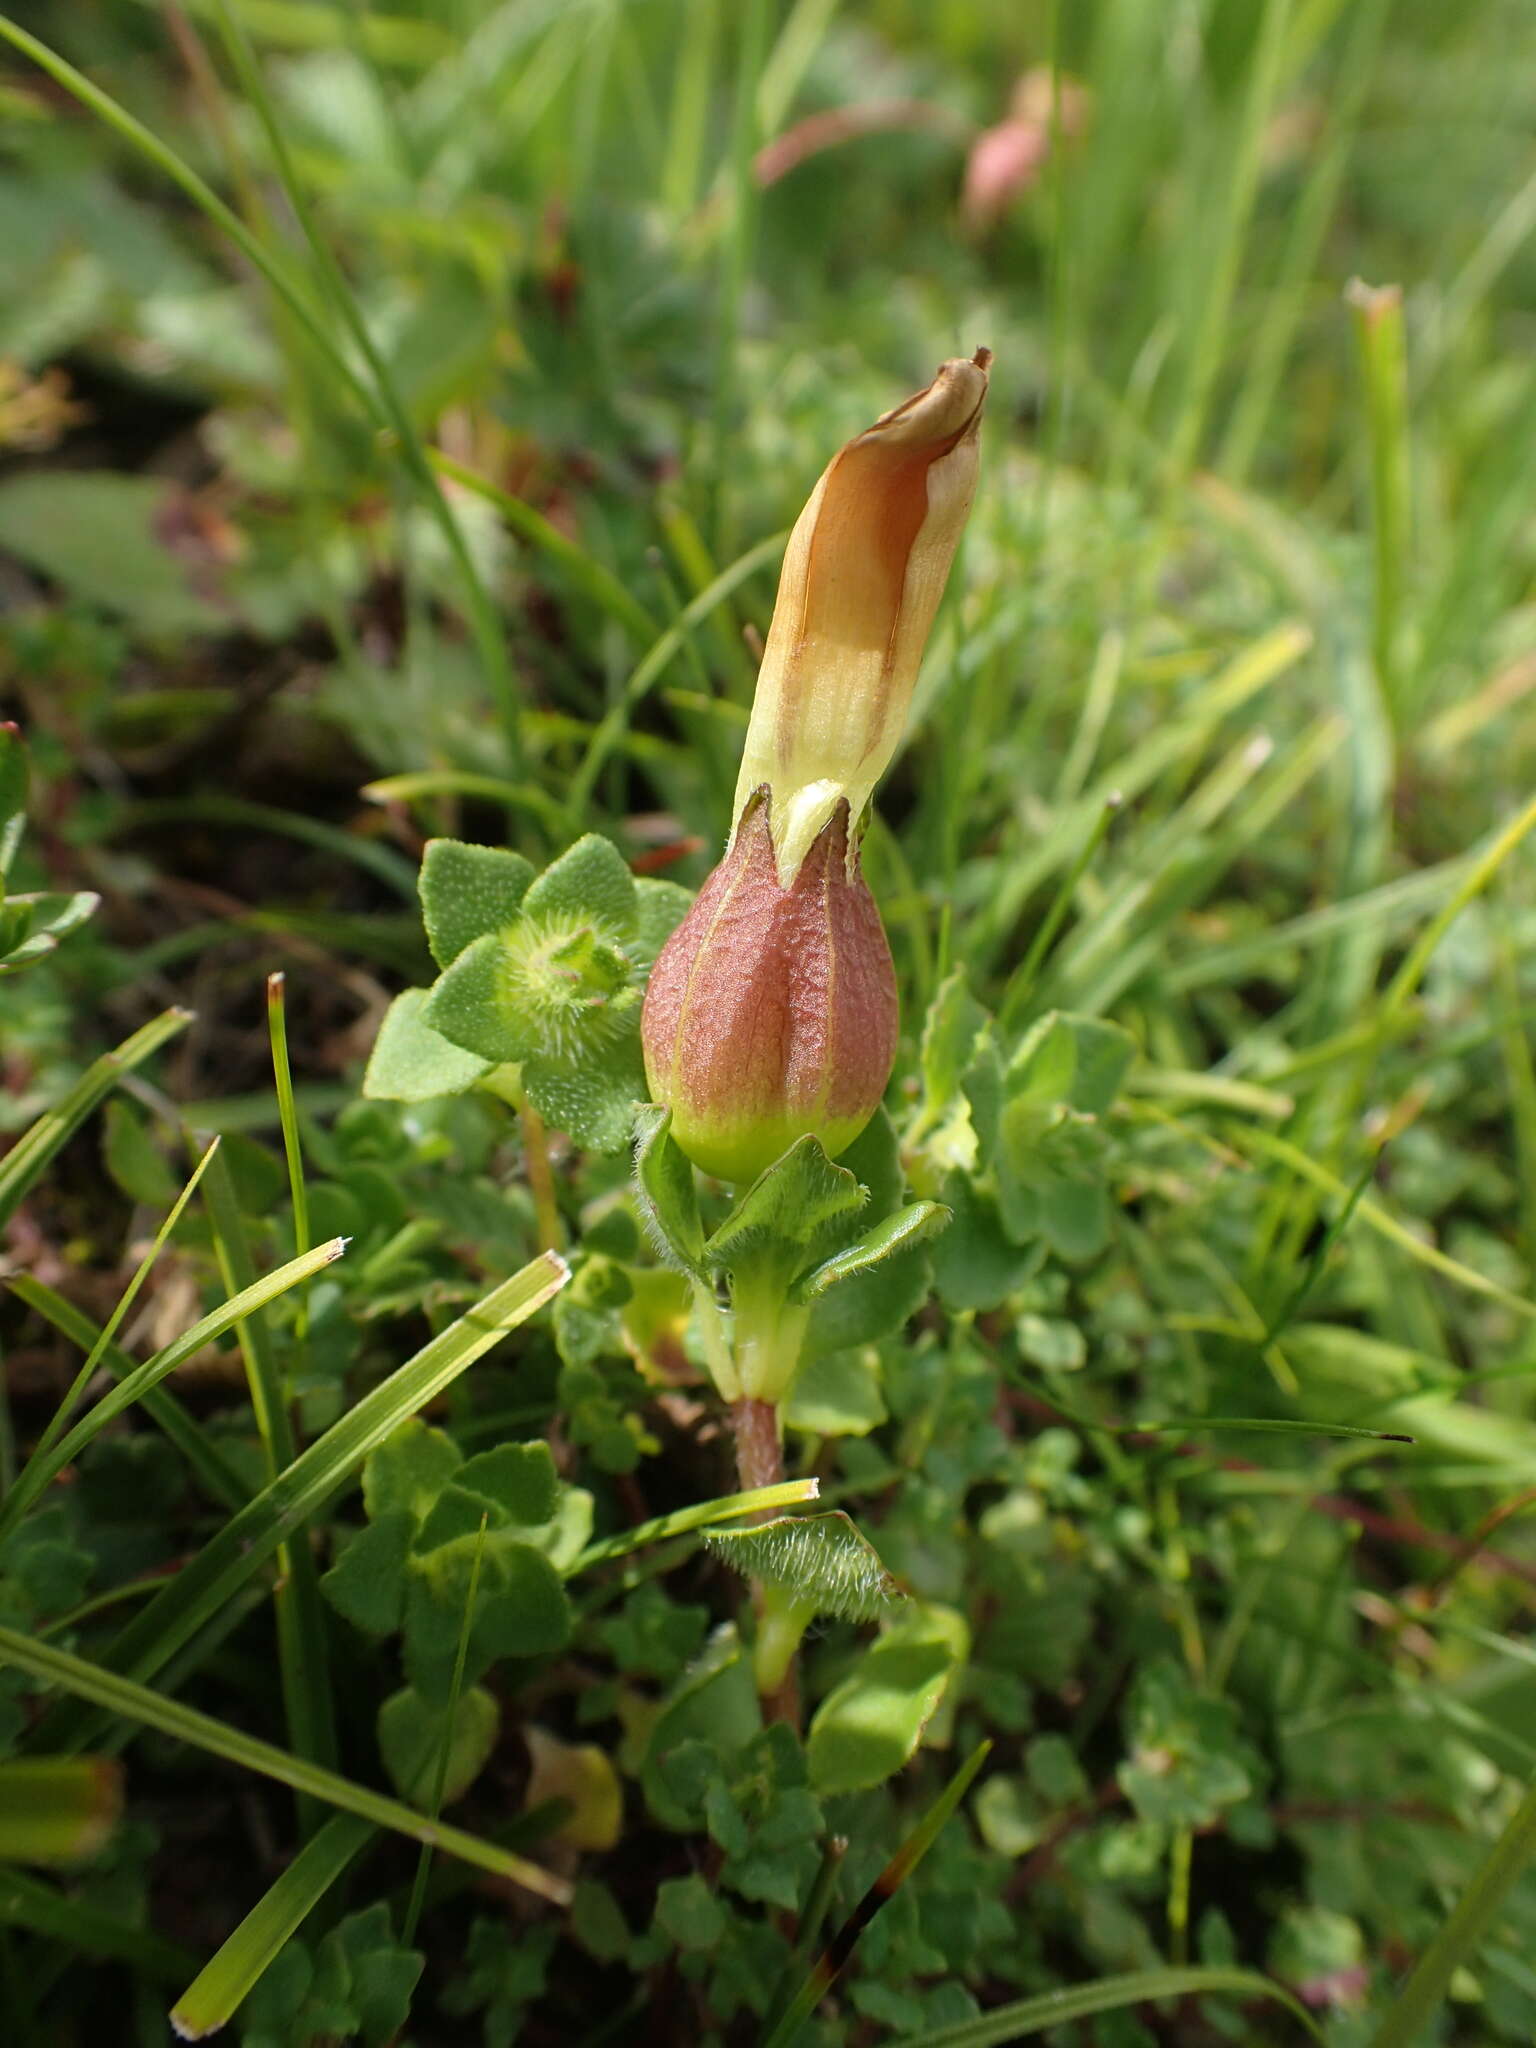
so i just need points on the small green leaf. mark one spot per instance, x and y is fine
(660, 908)
(714, 1700)
(593, 1104)
(1187, 1759)
(467, 1006)
(411, 1062)
(975, 1265)
(409, 1469)
(34, 925)
(666, 1192)
(520, 1609)
(823, 1561)
(590, 881)
(413, 1733)
(366, 1584)
(909, 1227)
(837, 1393)
(788, 1212)
(867, 1727)
(688, 1912)
(519, 1479)
(467, 892)
(1077, 1060)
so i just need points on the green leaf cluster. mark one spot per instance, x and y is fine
(542, 977)
(456, 1550)
(1016, 1139)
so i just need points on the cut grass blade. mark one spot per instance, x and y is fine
(1028, 2016)
(232, 1557)
(40, 1472)
(27, 1158)
(791, 1493)
(226, 1980)
(130, 1702)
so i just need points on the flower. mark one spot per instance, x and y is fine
(771, 1012)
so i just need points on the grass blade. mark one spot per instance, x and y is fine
(214, 1473)
(791, 1493)
(239, 1550)
(226, 1980)
(41, 1472)
(1028, 2016)
(130, 1702)
(32, 1152)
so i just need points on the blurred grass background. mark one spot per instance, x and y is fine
(1253, 552)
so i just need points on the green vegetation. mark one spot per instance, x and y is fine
(402, 412)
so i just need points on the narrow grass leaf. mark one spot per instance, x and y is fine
(39, 1473)
(226, 1980)
(130, 1702)
(1028, 2016)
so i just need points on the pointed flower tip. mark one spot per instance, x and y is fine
(863, 574)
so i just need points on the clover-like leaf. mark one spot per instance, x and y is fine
(467, 892)
(867, 1727)
(590, 882)
(414, 1733)
(411, 1062)
(468, 1005)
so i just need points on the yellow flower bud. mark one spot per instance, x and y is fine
(862, 578)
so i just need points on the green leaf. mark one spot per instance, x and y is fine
(689, 1914)
(867, 1727)
(716, 1701)
(1054, 2009)
(590, 881)
(409, 1469)
(1187, 1762)
(518, 1479)
(975, 1263)
(239, 1549)
(838, 1393)
(366, 1584)
(1081, 1061)
(660, 908)
(788, 1213)
(32, 926)
(378, 1973)
(466, 1005)
(211, 1999)
(909, 1227)
(593, 1104)
(666, 1192)
(468, 892)
(520, 1609)
(823, 1561)
(411, 1062)
(13, 793)
(412, 1735)
(169, 1717)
